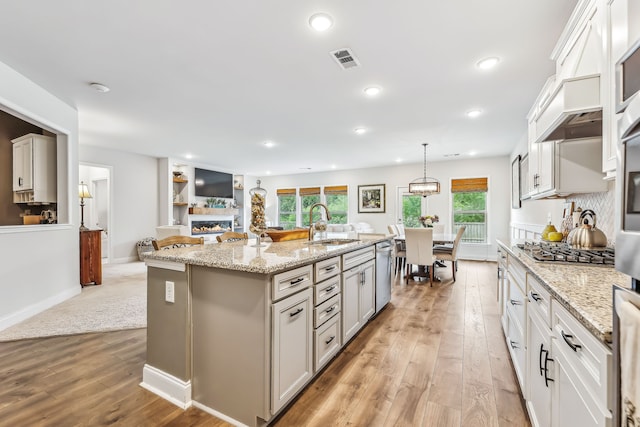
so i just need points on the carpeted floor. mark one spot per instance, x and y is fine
(120, 302)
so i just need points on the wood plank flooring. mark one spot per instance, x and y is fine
(434, 357)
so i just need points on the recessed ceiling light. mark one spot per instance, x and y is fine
(360, 131)
(268, 172)
(99, 87)
(473, 153)
(268, 144)
(398, 160)
(452, 155)
(488, 63)
(372, 90)
(188, 156)
(474, 113)
(333, 166)
(321, 21)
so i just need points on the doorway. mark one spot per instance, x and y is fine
(97, 210)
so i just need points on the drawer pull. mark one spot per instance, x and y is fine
(331, 338)
(546, 369)
(297, 281)
(330, 268)
(298, 311)
(329, 289)
(515, 302)
(542, 350)
(514, 344)
(536, 297)
(566, 338)
(330, 309)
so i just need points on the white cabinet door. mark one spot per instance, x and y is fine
(23, 165)
(368, 291)
(540, 367)
(292, 347)
(573, 404)
(351, 323)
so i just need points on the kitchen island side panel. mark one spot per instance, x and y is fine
(169, 324)
(231, 343)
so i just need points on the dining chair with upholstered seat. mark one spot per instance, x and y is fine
(419, 247)
(399, 252)
(177, 242)
(450, 252)
(232, 236)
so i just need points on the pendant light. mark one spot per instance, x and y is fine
(425, 186)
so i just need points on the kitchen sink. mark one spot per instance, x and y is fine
(332, 242)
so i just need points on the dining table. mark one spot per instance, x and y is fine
(438, 239)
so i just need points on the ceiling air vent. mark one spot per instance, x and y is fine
(345, 58)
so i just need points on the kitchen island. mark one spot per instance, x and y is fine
(239, 330)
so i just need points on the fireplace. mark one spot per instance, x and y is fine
(210, 227)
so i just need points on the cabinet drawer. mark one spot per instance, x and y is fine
(327, 342)
(327, 268)
(516, 344)
(357, 257)
(539, 299)
(326, 310)
(326, 289)
(517, 304)
(292, 281)
(518, 272)
(586, 356)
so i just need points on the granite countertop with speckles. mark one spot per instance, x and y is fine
(272, 257)
(584, 290)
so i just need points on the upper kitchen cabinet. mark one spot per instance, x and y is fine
(34, 169)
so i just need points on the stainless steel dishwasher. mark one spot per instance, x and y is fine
(383, 274)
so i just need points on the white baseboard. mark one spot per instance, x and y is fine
(167, 386)
(123, 260)
(218, 414)
(39, 307)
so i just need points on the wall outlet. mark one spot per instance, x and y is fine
(169, 292)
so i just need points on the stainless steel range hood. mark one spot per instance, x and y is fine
(573, 110)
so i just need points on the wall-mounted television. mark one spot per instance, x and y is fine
(210, 183)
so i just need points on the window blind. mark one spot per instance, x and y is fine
(467, 185)
(335, 189)
(286, 191)
(309, 191)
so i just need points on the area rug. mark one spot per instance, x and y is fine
(120, 302)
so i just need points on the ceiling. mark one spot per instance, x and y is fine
(216, 79)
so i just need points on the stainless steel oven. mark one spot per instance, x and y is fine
(628, 191)
(627, 239)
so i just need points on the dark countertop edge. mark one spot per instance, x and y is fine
(278, 268)
(600, 331)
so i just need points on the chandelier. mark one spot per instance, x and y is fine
(425, 186)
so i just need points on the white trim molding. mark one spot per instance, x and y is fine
(39, 307)
(167, 386)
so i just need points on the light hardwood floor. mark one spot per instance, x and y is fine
(434, 357)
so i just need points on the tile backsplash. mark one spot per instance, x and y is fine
(604, 205)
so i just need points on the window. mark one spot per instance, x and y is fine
(309, 196)
(337, 201)
(287, 207)
(294, 205)
(413, 207)
(470, 208)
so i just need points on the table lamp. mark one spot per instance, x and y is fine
(83, 193)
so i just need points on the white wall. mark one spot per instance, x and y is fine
(40, 265)
(135, 197)
(497, 169)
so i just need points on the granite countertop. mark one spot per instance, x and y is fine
(584, 290)
(271, 258)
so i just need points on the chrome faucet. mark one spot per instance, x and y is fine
(311, 227)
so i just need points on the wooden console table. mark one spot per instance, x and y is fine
(90, 257)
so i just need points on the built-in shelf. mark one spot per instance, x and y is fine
(213, 211)
(180, 180)
(179, 204)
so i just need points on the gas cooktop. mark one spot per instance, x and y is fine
(562, 253)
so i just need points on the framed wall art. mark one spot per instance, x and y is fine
(371, 198)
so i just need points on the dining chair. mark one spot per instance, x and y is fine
(399, 252)
(450, 252)
(177, 242)
(419, 246)
(231, 236)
